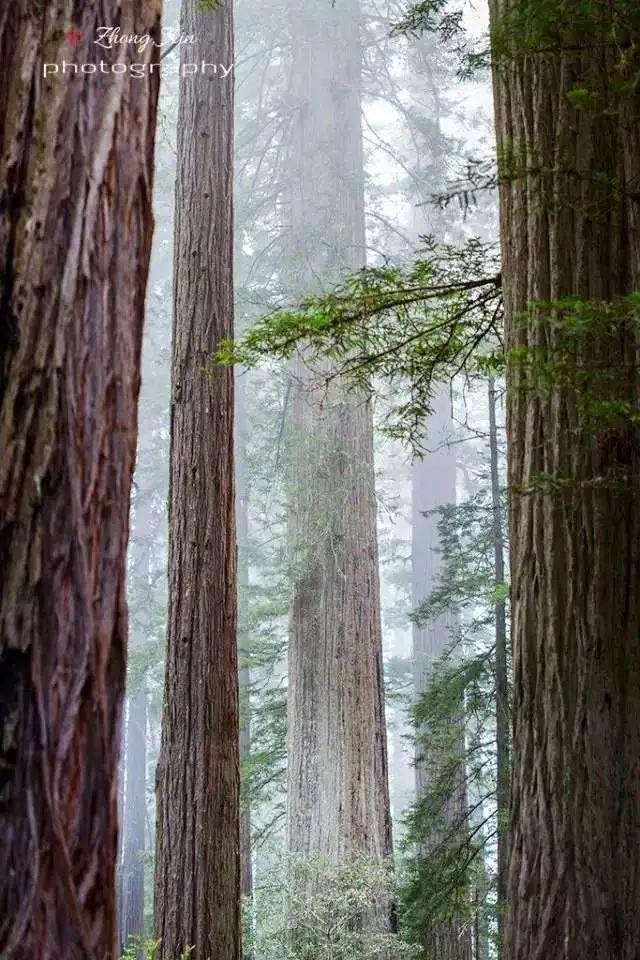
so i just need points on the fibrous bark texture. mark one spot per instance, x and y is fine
(198, 866)
(338, 800)
(433, 486)
(569, 223)
(76, 161)
(338, 795)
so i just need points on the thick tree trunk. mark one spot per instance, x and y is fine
(433, 486)
(197, 846)
(132, 870)
(338, 801)
(503, 712)
(569, 222)
(76, 162)
(338, 794)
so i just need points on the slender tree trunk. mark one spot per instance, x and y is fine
(401, 766)
(482, 949)
(502, 677)
(76, 163)
(132, 870)
(338, 799)
(197, 848)
(434, 485)
(242, 522)
(120, 804)
(569, 224)
(245, 819)
(134, 768)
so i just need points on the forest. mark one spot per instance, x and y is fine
(320, 480)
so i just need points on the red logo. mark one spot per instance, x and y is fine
(74, 37)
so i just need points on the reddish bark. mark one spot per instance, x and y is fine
(76, 160)
(197, 882)
(570, 229)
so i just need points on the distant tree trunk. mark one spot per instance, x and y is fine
(120, 803)
(503, 712)
(245, 819)
(132, 870)
(481, 948)
(197, 882)
(401, 762)
(76, 165)
(242, 522)
(338, 799)
(134, 767)
(568, 132)
(433, 486)
(338, 794)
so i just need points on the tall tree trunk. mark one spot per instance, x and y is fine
(481, 938)
(338, 800)
(568, 130)
(242, 522)
(132, 870)
(503, 712)
(120, 807)
(338, 794)
(76, 164)
(246, 884)
(433, 486)
(134, 767)
(197, 847)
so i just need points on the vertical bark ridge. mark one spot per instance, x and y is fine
(76, 166)
(569, 222)
(197, 886)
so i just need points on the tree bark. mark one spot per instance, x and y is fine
(337, 793)
(433, 486)
(569, 225)
(132, 870)
(197, 884)
(76, 165)
(338, 800)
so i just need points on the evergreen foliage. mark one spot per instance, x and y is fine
(403, 328)
(309, 909)
(451, 875)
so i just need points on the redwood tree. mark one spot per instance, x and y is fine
(76, 161)
(197, 884)
(338, 801)
(433, 486)
(568, 127)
